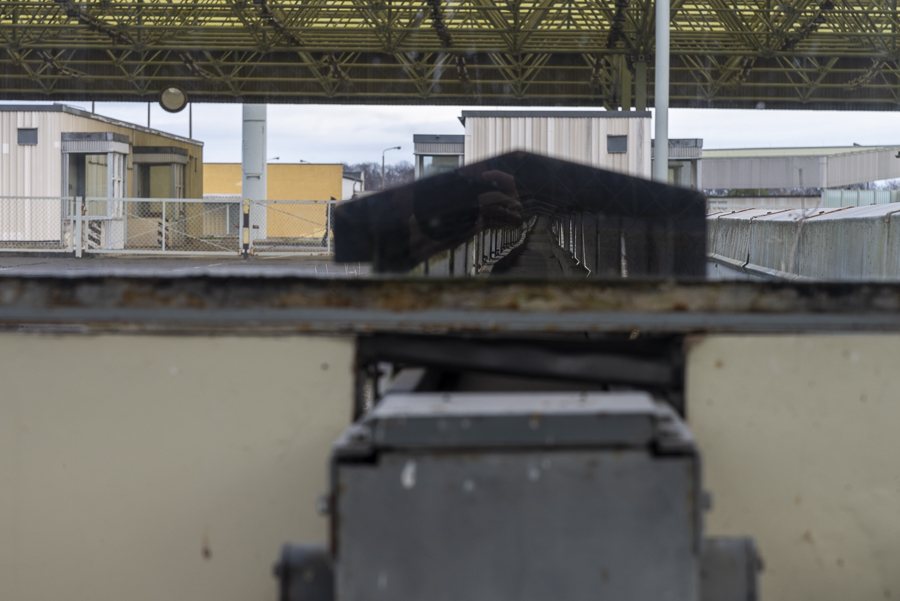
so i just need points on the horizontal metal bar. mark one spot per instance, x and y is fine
(291, 253)
(231, 301)
(165, 200)
(194, 253)
(5, 249)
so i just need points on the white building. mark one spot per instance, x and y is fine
(53, 153)
(614, 140)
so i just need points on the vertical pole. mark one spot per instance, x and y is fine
(191, 120)
(382, 171)
(148, 115)
(163, 225)
(661, 93)
(79, 235)
(245, 229)
(328, 226)
(253, 167)
(93, 107)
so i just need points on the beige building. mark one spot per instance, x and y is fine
(614, 140)
(286, 183)
(53, 153)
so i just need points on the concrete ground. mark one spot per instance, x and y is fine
(66, 266)
(324, 267)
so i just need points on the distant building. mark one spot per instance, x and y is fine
(684, 162)
(56, 151)
(783, 178)
(285, 182)
(437, 153)
(352, 183)
(614, 140)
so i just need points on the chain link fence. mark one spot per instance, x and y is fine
(175, 226)
(37, 224)
(161, 226)
(291, 226)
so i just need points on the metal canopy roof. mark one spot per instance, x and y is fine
(830, 54)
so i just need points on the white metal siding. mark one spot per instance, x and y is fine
(578, 139)
(785, 172)
(30, 171)
(860, 167)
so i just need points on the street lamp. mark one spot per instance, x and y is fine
(382, 163)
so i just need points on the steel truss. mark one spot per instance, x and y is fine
(831, 54)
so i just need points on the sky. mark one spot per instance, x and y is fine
(355, 134)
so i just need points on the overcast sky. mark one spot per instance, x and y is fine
(354, 133)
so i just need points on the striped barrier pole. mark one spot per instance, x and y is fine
(246, 229)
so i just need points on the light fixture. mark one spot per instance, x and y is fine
(173, 99)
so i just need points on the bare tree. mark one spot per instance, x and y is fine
(394, 175)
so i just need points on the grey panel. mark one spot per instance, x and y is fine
(521, 526)
(28, 137)
(728, 569)
(518, 419)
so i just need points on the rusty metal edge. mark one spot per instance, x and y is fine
(284, 305)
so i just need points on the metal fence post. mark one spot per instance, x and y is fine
(328, 226)
(163, 226)
(79, 235)
(246, 229)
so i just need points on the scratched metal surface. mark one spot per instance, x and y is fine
(289, 304)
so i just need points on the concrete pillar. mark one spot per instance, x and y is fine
(253, 166)
(661, 93)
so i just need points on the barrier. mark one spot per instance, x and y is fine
(163, 226)
(838, 244)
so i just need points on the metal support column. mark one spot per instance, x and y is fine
(661, 93)
(253, 167)
(640, 85)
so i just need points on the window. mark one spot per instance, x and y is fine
(27, 137)
(616, 144)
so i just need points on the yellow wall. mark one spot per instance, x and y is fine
(293, 181)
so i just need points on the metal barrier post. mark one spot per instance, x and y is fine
(79, 235)
(246, 230)
(163, 225)
(328, 226)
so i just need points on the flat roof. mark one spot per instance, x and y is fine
(439, 138)
(64, 108)
(564, 114)
(734, 153)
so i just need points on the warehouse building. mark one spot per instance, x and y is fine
(786, 178)
(614, 140)
(53, 153)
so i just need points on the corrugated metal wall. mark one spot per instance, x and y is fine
(578, 139)
(438, 148)
(774, 172)
(860, 167)
(30, 170)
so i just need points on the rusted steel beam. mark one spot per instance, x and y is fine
(492, 306)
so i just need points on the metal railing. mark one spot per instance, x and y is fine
(164, 226)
